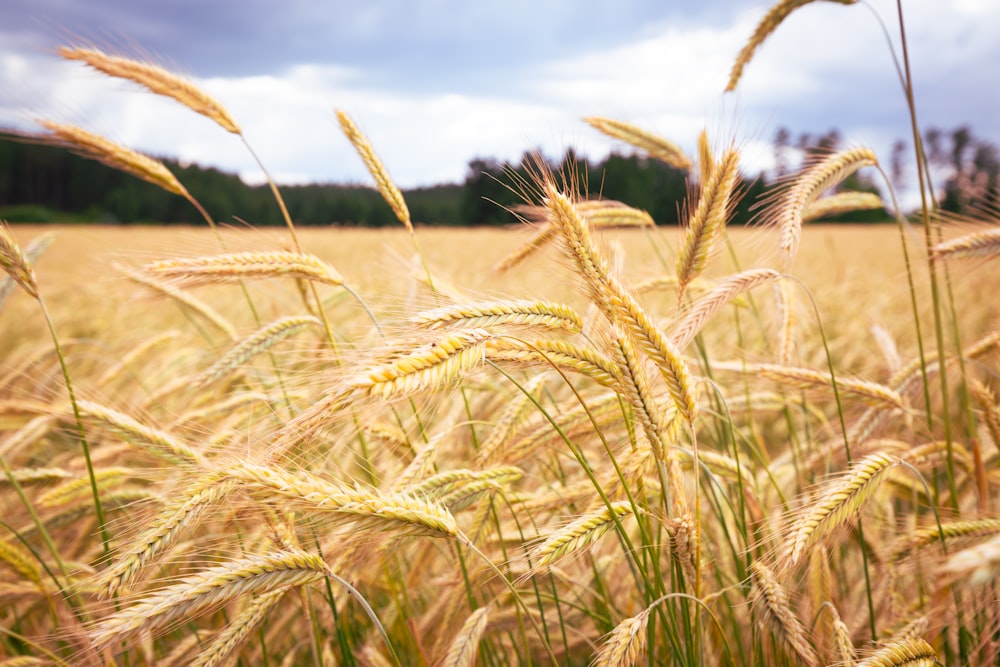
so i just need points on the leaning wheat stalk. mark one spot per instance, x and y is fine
(774, 614)
(710, 216)
(463, 649)
(626, 644)
(209, 588)
(842, 500)
(157, 80)
(695, 318)
(842, 202)
(522, 312)
(234, 635)
(786, 213)
(657, 147)
(234, 267)
(98, 148)
(578, 534)
(260, 341)
(767, 25)
(907, 653)
(383, 182)
(14, 263)
(977, 244)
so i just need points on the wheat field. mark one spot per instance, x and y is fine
(581, 440)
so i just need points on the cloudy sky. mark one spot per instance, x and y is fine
(435, 83)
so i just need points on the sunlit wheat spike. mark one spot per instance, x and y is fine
(546, 353)
(706, 163)
(209, 588)
(433, 364)
(579, 533)
(708, 305)
(157, 80)
(871, 393)
(234, 267)
(842, 202)
(951, 530)
(816, 179)
(710, 215)
(446, 483)
(543, 234)
(21, 561)
(517, 410)
(260, 341)
(626, 645)
(838, 503)
(400, 512)
(76, 489)
(15, 264)
(234, 635)
(156, 442)
(615, 214)
(977, 244)
(181, 513)
(180, 296)
(524, 312)
(107, 152)
(383, 182)
(913, 652)
(32, 251)
(774, 614)
(767, 25)
(656, 421)
(655, 146)
(465, 646)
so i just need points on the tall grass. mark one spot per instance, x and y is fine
(727, 474)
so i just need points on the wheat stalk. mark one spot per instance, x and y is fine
(977, 244)
(234, 267)
(786, 213)
(578, 534)
(234, 635)
(708, 305)
(156, 442)
(767, 25)
(523, 312)
(841, 202)
(774, 613)
(15, 264)
(842, 500)
(260, 341)
(208, 588)
(626, 645)
(710, 216)
(913, 652)
(465, 646)
(107, 152)
(655, 146)
(383, 182)
(157, 80)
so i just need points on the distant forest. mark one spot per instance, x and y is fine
(41, 183)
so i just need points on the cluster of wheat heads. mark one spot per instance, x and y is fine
(679, 473)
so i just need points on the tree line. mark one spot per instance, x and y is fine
(42, 183)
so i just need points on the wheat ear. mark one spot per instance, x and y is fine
(913, 652)
(433, 364)
(157, 80)
(767, 25)
(842, 500)
(234, 267)
(403, 513)
(261, 340)
(698, 315)
(545, 353)
(578, 534)
(655, 146)
(809, 185)
(14, 263)
(525, 312)
(657, 423)
(626, 645)
(465, 646)
(774, 613)
(383, 182)
(210, 587)
(180, 296)
(234, 635)
(923, 537)
(842, 202)
(180, 514)
(978, 244)
(709, 217)
(107, 152)
(156, 442)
